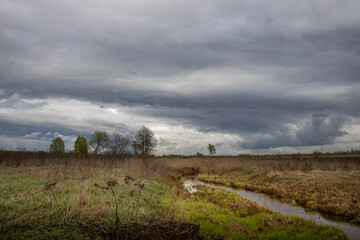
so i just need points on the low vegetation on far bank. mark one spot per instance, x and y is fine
(335, 192)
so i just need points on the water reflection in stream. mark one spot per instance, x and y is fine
(352, 230)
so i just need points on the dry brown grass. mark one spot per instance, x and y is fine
(157, 165)
(279, 163)
(335, 192)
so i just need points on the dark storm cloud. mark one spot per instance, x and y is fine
(19, 130)
(322, 128)
(263, 121)
(139, 54)
(322, 125)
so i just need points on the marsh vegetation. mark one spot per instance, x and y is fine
(46, 196)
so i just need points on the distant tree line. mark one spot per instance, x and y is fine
(143, 144)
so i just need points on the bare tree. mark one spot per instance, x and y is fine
(145, 142)
(119, 143)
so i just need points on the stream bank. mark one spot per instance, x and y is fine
(352, 230)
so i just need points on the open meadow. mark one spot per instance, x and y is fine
(131, 198)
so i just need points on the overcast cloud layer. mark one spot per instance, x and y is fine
(248, 76)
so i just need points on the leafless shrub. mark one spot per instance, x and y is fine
(119, 143)
(50, 187)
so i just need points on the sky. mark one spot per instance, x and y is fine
(250, 76)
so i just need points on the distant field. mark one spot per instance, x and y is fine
(265, 163)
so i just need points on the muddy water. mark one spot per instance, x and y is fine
(352, 230)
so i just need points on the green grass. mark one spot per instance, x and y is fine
(82, 206)
(74, 206)
(224, 214)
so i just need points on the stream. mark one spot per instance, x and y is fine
(352, 230)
